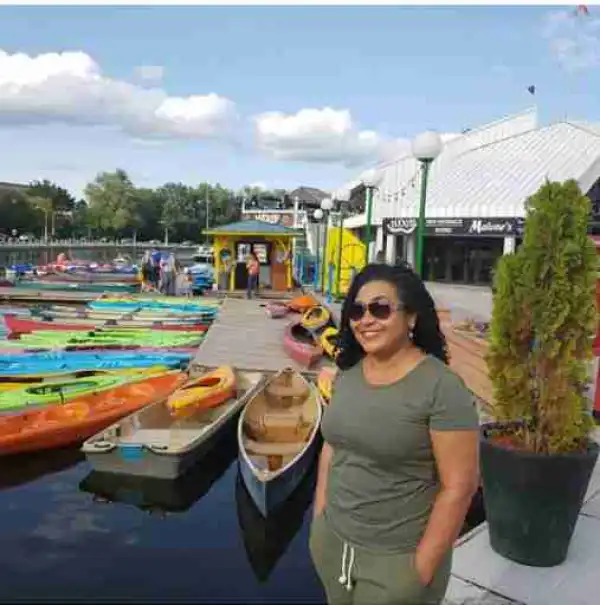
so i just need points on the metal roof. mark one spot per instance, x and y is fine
(495, 180)
(253, 227)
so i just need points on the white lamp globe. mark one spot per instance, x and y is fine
(326, 204)
(318, 214)
(427, 146)
(369, 178)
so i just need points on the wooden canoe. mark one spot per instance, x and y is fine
(25, 325)
(154, 443)
(300, 345)
(61, 425)
(278, 438)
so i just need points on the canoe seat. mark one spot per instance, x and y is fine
(257, 448)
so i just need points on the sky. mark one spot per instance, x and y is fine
(277, 96)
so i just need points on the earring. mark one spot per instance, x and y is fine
(411, 333)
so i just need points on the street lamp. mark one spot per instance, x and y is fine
(318, 216)
(369, 180)
(326, 207)
(425, 148)
(342, 200)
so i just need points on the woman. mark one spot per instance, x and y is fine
(147, 272)
(253, 267)
(168, 275)
(399, 464)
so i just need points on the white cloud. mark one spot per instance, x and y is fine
(70, 88)
(149, 74)
(574, 39)
(317, 135)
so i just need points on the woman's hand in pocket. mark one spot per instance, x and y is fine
(425, 570)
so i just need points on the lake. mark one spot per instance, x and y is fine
(72, 534)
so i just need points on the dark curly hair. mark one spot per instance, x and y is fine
(415, 298)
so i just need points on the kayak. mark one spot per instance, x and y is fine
(169, 300)
(138, 305)
(208, 391)
(8, 383)
(59, 391)
(60, 312)
(112, 337)
(325, 381)
(25, 325)
(56, 362)
(329, 341)
(75, 421)
(16, 347)
(77, 286)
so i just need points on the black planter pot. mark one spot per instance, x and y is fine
(532, 501)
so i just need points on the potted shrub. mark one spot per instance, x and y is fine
(537, 455)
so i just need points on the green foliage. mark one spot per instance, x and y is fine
(114, 206)
(544, 321)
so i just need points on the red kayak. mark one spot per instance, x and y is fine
(26, 325)
(300, 345)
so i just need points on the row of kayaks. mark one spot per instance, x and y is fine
(157, 422)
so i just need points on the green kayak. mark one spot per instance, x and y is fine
(56, 392)
(142, 338)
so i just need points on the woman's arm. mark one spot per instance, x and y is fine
(456, 455)
(323, 472)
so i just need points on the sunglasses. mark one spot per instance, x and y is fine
(379, 309)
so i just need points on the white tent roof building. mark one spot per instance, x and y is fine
(489, 171)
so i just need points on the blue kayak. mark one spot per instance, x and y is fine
(128, 307)
(50, 362)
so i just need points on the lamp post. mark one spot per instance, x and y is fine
(326, 207)
(342, 200)
(318, 216)
(369, 181)
(425, 148)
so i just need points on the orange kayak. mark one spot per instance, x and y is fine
(208, 391)
(73, 422)
(303, 303)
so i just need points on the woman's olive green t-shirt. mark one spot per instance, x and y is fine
(383, 476)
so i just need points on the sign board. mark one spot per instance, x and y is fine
(484, 227)
(284, 218)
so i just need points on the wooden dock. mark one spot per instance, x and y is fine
(244, 336)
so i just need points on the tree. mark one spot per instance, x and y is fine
(57, 205)
(112, 203)
(18, 213)
(543, 323)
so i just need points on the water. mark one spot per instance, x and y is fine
(72, 534)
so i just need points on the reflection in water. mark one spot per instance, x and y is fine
(160, 495)
(25, 468)
(267, 539)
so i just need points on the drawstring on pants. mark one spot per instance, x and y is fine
(345, 578)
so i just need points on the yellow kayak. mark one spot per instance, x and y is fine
(316, 318)
(8, 383)
(328, 341)
(208, 391)
(325, 382)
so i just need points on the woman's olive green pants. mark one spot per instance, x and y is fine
(353, 575)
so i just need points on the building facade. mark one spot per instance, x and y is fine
(478, 187)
